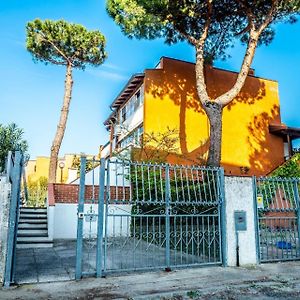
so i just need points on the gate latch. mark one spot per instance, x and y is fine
(80, 215)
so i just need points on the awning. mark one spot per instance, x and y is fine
(112, 117)
(283, 131)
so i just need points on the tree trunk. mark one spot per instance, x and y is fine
(214, 113)
(214, 107)
(61, 127)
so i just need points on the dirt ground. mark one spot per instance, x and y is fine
(268, 281)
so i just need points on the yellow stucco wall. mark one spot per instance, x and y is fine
(171, 101)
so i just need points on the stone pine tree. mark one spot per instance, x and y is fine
(211, 26)
(69, 45)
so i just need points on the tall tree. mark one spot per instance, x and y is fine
(65, 44)
(11, 139)
(211, 26)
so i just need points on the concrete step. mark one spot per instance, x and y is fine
(33, 210)
(33, 216)
(34, 242)
(32, 233)
(33, 239)
(32, 221)
(34, 245)
(33, 226)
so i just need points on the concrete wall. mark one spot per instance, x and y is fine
(5, 189)
(64, 220)
(239, 197)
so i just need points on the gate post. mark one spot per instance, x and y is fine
(100, 219)
(167, 212)
(256, 219)
(297, 198)
(222, 217)
(20, 170)
(80, 216)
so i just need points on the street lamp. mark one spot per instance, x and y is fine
(61, 166)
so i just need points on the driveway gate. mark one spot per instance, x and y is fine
(278, 219)
(149, 216)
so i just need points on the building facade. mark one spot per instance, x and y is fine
(254, 141)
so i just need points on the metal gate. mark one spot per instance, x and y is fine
(150, 216)
(13, 173)
(277, 201)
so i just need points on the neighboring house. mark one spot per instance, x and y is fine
(39, 167)
(254, 140)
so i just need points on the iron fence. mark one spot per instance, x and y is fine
(278, 218)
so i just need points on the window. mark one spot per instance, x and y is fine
(137, 99)
(132, 105)
(134, 138)
(123, 114)
(130, 108)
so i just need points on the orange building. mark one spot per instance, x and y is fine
(254, 142)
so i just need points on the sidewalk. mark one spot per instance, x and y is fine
(269, 281)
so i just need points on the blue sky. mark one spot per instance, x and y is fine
(31, 94)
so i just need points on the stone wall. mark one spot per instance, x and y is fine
(5, 189)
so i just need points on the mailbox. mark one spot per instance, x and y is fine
(240, 221)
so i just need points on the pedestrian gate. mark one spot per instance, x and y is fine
(141, 216)
(13, 172)
(277, 202)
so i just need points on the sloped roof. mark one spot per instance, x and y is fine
(127, 91)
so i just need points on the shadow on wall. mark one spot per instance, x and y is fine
(262, 157)
(183, 94)
(176, 81)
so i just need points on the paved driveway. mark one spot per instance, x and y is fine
(46, 264)
(57, 263)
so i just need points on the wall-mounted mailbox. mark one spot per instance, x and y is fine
(240, 220)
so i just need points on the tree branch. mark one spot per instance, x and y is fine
(204, 35)
(200, 76)
(190, 38)
(50, 59)
(248, 58)
(55, 47)
(269, 17)
(250, 17)
(226, 98)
